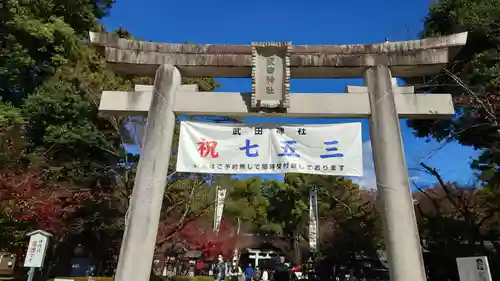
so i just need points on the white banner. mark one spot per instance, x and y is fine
(313, 219)
(219, 207)
(329, 149)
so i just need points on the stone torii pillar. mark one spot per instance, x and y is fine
(382, 103)
(394, 199)
(141, 224)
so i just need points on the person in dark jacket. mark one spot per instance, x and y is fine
(219, 269)
(281, 272)
(258, 273)
(234, 271)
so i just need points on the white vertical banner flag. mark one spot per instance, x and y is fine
(313, 219)
(219, 207)
(326, 149)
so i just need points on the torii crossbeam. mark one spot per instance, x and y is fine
(334, 105)
(380, 101)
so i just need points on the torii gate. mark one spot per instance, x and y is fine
(380, 102)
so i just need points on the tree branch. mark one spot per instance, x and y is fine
(183, 223)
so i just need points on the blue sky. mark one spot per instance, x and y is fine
(302, 22)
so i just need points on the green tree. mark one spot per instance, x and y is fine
(456, 220)
(351, 240)
(38, 37)
(51, 83)
(247, 203)
(341, 209)
(473, 74)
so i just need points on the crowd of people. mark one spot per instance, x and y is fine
(222, 269)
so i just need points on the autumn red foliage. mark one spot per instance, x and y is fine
(198, 235)
(25, 197)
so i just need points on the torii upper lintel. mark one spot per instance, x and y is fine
(406, 58)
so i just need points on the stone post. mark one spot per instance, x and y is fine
(139, 238)
(394, 197)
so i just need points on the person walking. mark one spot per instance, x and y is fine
(234, 272)
(249, 273)
(257, 274)
(219, 269)
(265, 275)
(281, 271)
